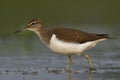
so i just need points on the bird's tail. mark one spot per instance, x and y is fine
(105, 36)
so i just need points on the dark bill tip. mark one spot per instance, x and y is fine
(17, 31)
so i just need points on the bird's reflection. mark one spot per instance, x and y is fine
(69, 77)
(74, 74)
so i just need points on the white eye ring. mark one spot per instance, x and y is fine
(33, 23)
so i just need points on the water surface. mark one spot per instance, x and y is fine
(31, 60)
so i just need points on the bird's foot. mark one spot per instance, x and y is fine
(93, 69)
(67, 70)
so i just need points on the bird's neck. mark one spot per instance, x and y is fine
(44, 35)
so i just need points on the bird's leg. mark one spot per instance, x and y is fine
(69, 63)
(89, 61)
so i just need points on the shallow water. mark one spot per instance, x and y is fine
(23, 60)
(52, 68)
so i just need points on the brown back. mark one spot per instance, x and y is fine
(72, 35)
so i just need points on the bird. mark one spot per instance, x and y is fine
(66, 41)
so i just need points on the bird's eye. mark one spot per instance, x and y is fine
(33, 23)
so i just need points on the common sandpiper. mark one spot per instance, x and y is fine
(66, 41)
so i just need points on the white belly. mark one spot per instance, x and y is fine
(63, 47)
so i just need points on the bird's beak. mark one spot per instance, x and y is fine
(19, 30)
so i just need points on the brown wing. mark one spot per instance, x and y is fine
(72, 35)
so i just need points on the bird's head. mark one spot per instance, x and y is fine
(33, 25)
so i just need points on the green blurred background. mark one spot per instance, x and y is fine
(15, 14)
(24, 51)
